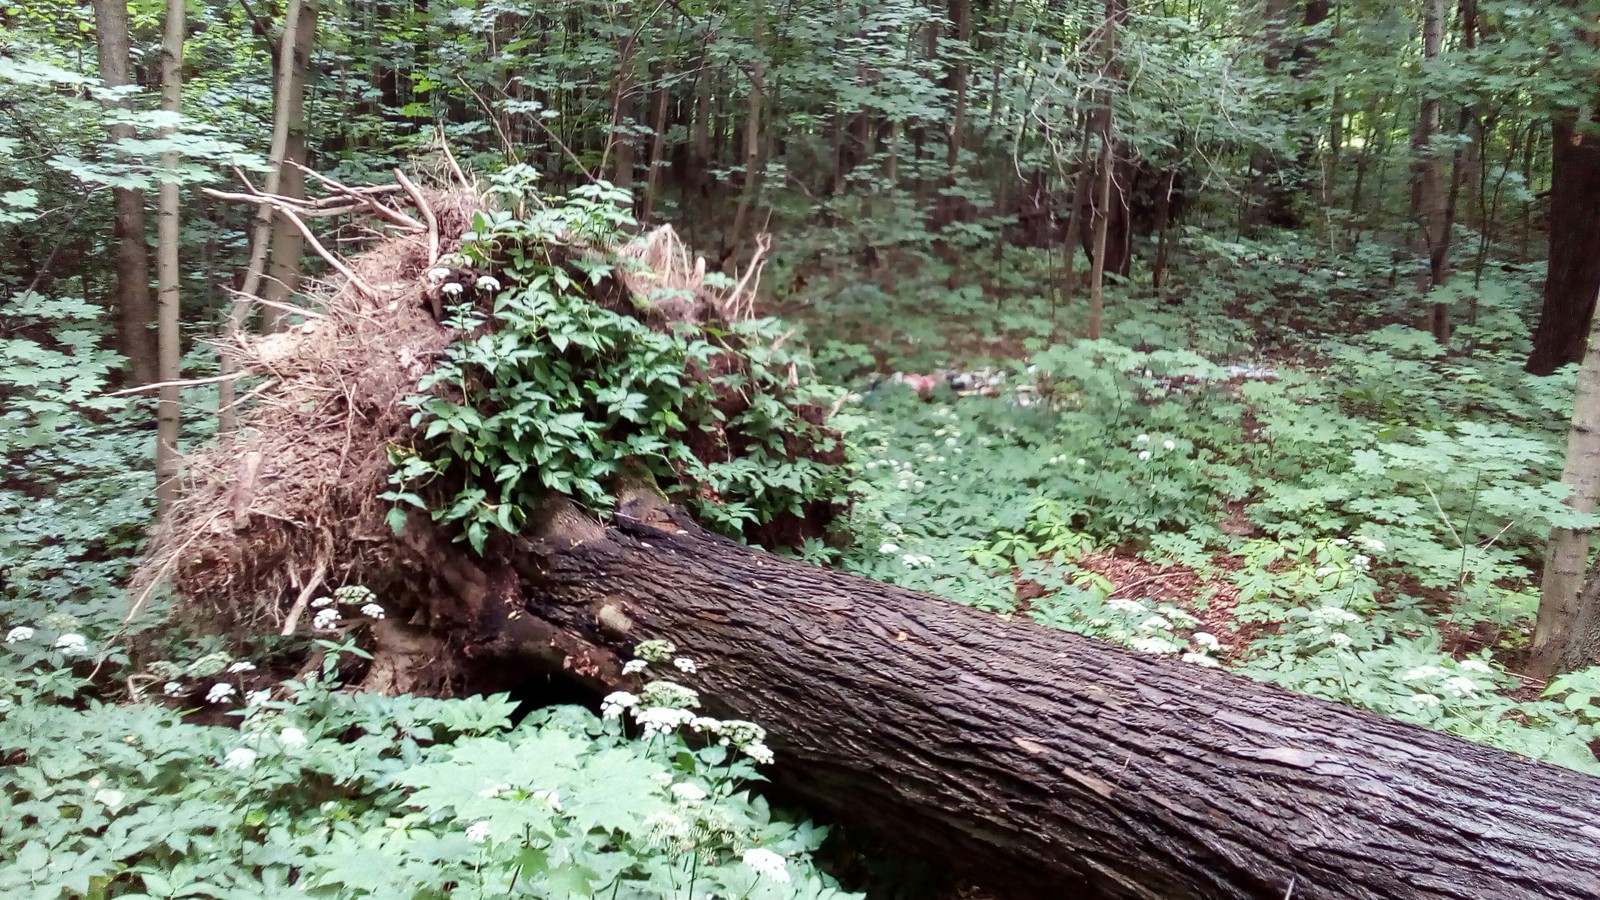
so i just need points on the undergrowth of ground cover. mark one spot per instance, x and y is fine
(1358, 514)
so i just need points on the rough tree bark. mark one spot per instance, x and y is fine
(1567, 634)
(1573, 276)
(136, 309)
(1052, 764)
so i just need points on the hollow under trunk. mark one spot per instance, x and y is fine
(1039, 762)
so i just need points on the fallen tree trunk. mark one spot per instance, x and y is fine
(1046, 760)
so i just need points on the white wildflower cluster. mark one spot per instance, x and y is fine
(915, 561)
(655, 651)
(889, 548)
(613, 704)
(241, 667)
(634, 666)
(220, 692)
(326, 619)
(685, 664)
(661, 720)
(477, 832)
(19, 633)
(239, 759)
(1333, 615)
(688, 793)
(766, 864)
(1129, 607)
(1155, 646)
(72, 644)
(372, 611)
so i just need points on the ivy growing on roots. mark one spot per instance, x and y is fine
(561, 383)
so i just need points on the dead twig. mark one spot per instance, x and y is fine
(184, 382)
(304, 598)
(338, 265)
(427, 215)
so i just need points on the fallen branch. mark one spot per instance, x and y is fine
(311, 239)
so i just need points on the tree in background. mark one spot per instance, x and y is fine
(168, 414)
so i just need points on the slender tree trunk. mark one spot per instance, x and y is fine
(1567, 635)
(1158, 270)
(136, 310)
(261, 237)
(288, 244)
(1427, 197)
(658, 143)
(168, 337)
(752, 138)
(1573, 276)
(1102, 226)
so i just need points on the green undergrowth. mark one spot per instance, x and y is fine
(1364, 511)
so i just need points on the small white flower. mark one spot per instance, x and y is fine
(950, 442)
(325, 619)
(1155, 623)
(1155, 646)
(661, 719)
(1124, 605)
(612, 705)
(704, 723)
(1142, 439)
(19, 633)
(766, 864)
(487, 283)
(1332, 615)
(685, 792)
(452, 289)
(1425, 700)
(292, 738)
(109, 797)
(477, 832)
(1460, 687)
(320, 602)
(634, 666)
(241, 666)
(219, 692)
(494, 790)
(1474, 665)
(171, 688)
(1082, 461)
(759, 752)
(256, 698)
(889, 548)
(1339, 639)
(685, 664)
(1144, 454)
(1372, 544)
(72, 644)
(1170, 445)
(551, 798)
(1324, 571)
(1340, 542)
(239, 759)
(1207, 640)
(1200, 659)
(1361, 561)
(372, 611)
(438, 275)
(1422, 673)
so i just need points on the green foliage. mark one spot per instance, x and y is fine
(319, 791)
(550, 391)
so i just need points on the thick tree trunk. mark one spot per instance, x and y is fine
(1567, 635)
(136, 310)
(1573, 278)
(1050, 764)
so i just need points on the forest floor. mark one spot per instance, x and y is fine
(1266, 469)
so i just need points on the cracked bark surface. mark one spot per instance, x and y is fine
(1055, 764)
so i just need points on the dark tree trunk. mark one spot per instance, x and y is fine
(1573, 278)
(1049, 764)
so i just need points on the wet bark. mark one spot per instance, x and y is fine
(1044, 763)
